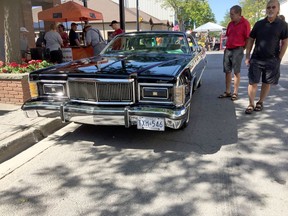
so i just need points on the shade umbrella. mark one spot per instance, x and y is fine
(209, 27)
(69, 11)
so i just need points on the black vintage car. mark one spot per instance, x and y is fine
(144, 79)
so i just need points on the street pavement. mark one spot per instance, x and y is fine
(17, 132)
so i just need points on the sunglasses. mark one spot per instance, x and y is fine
(271, 7)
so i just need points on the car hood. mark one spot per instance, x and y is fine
(140, 65)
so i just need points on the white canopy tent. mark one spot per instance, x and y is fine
(209, 27)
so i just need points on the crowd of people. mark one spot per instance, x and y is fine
(210, 41)
(57, 38)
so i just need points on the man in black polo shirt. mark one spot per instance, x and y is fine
(73, 36)
(267, 34)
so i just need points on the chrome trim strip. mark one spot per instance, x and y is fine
(101, 80)
(102, 103)
(156, 84)
(49, 81)
(157, 102)
(62, 113)
(53, 75)
(50, 97)
(126, 117)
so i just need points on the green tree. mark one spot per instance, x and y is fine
(178, 7)
(253, 10)
(189, 12)
(199, 12)
(226, 20)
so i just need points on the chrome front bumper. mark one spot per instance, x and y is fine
(95, 115)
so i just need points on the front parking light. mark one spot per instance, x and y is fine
(179, 95)
(33, 89)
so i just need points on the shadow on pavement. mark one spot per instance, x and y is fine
(173, 172)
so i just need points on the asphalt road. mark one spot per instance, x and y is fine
(225, 163)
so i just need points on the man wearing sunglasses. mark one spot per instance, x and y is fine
(265, 61)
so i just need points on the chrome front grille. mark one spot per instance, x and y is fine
(102, 91)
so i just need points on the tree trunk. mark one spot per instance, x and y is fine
(11, 16)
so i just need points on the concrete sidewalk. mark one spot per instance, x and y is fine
(17, 132)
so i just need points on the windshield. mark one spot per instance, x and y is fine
(151, 43)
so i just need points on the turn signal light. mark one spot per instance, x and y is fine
(33, 89)
(179, 95)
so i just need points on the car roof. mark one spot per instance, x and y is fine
(156, 32)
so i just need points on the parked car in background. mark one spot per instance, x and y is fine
(143, 79)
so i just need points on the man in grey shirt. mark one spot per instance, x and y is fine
(94, 38)
(54, 43)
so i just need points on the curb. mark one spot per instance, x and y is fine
(19, 142)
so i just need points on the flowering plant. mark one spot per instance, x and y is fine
(14, 67)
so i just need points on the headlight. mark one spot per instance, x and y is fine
(53, 89)
(33, 89)
(152, 92)
(179, 95)
(155, 93)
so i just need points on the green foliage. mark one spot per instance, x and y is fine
(14, 67)
(226, 20)
(190, 12)
(199, 11)
(253, 10)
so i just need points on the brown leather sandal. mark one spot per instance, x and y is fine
(234, 97)
(225, 95)
(259, 106)
(249, 109)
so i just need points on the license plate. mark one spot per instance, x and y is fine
(149, 123)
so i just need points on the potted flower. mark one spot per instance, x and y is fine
(14, 87)
(14, 67)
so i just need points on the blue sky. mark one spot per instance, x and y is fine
(219, 7)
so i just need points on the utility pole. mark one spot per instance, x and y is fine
(122, 14)
(137, 14)
(85, 3)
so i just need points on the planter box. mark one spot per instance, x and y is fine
(14, 88)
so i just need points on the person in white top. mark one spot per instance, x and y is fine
(94, 38)
(23, 42)
(54, 43)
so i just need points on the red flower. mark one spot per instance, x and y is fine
(1, 63)
(4, 71)
(32, 62)
(24, 65)
(13, 64)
